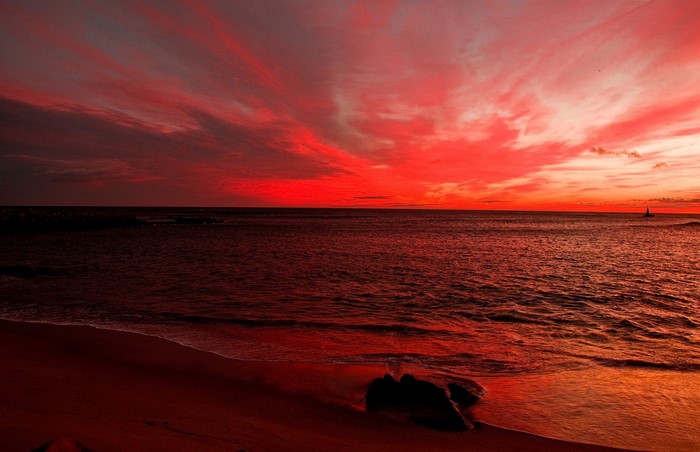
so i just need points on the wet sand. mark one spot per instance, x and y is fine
(122, 391)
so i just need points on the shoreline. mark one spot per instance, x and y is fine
(114, 390)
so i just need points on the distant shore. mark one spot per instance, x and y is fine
(55, 219)
(122, 391)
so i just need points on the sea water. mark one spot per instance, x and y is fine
(580, 326)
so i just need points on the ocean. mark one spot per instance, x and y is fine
(580, 326)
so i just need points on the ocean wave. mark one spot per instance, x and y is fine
(690, 224)
(640, 363)
(630, 325)
(293, 323)
(511, 318)
(631, 330)
(453, 363)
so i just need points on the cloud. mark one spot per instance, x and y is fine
(602, 151)
(676, 200)
(273, 149)
(663, 118)
(226, 102)
(660, 165)
(373, 197)
(89, 171)
(105, 149)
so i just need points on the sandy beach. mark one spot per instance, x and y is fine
(122, 391)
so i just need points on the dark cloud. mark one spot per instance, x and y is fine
(89, 170)
(660, 165)
(101, 147)
(676, 200)
(602, 151)
(373, 197)
(413, 205)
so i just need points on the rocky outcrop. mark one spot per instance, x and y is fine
(420, 401)
(465, 394)
(63, 445)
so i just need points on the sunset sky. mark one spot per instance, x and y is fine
(536, 105)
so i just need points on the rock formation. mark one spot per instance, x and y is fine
(63, 445)
(420, 401)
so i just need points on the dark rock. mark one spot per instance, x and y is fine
(453, 423)
(382, 392)
(420, 392)
(63, 445)
(422, 401)
(467, 394)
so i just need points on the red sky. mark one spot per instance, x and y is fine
(548, 105)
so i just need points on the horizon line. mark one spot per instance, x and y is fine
(396, 208)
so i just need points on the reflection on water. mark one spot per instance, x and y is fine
(633, 408)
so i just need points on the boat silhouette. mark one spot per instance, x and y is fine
(648, 214)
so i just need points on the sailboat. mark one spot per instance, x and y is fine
(648, 214)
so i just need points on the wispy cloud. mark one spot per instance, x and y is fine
(233, 103)
(492, 201)
(106, 151)
(676, 200)
(88, 171)
(602, 151)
